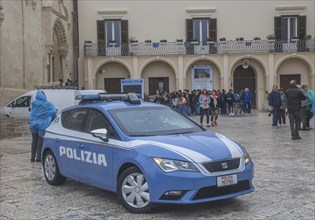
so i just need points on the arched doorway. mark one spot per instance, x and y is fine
(158, 75)
(245, 78)
(109, 77)
(59, 51)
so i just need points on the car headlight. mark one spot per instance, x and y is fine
(168, 165)
(246, 157)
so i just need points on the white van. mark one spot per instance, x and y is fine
(20, 108)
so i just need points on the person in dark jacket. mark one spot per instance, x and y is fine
(247, 100)
(294, 97)
(41, 116)
(275, 103)
(230, 101)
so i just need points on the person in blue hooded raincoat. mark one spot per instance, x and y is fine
(42, 114)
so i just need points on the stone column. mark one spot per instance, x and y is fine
(90, 76)
(180, 76)
(272, 75)
(50, 67)
(226, 72)
(311, 82)
(135, 74)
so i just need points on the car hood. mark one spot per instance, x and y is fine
(198, 147)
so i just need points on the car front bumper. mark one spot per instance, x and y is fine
(195, 186)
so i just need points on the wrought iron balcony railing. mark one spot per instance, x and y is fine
(184, 48)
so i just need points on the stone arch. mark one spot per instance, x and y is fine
(294, 67)
(158, 59)
(108, 75)
(260, 71)
(59, 51)
(310, 65)
(261, 62)
(204, 58)
(99, 65)
(61, 33)
(202, 61)
(158, 74)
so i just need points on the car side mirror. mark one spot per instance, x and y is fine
(100, 133)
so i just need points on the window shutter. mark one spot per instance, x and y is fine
(301, 27)
(277, 26)
(124, 31)
(189, 29)
(213, 29)
(101, 32)
(124, 38)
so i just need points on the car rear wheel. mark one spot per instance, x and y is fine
(133, 191)
(51, 170)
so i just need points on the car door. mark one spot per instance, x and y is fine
(99, 170)
(21, 108)
(71, 143)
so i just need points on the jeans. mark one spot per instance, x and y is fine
(248, 107)
(37, 143)
(275, 115)
(295, 121)
(282, 116)
(204, 112)
(230, 105)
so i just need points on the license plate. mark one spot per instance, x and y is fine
(226, 180)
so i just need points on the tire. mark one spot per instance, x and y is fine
(51, 170)
(133, 191)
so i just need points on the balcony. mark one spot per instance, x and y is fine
(187, 48)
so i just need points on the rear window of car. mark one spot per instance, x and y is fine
(73, 119)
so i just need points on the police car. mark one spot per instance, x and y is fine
(145, 152)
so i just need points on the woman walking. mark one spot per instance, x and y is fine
(204, 101)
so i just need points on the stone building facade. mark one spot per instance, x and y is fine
(36, 42)
(166, 42)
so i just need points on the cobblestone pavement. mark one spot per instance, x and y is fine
(284, 181)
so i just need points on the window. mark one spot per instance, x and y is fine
(73, 119)
(96, 120)
(113, 32)
(200, 30)
(289, 28)
(23, 102)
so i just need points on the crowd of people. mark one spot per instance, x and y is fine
(207, 103)
(298, 102)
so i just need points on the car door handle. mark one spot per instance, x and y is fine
(81, 145)
(58, 140)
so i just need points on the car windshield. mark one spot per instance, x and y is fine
(152, 121)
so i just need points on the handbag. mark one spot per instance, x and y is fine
(205, 105)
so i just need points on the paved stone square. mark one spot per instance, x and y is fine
(284, 181)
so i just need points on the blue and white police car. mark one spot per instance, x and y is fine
(145, 152)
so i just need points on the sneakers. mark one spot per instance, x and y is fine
(38, 161)
(296, 138)
(32, 160)
(208, 125)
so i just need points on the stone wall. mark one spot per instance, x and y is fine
(11, 127)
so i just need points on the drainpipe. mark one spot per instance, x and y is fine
(23, 44)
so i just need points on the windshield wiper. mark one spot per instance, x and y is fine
(141, 135)
(187, 132)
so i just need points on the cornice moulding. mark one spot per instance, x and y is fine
(200, 10)
(112, 12)
(289, 8)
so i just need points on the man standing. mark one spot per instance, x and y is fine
(247, 100)
(294, 97)
(275, 103)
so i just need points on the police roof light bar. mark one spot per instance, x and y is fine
(130, 98)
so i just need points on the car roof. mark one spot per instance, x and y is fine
(116, 105)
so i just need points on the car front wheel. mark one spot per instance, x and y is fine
(133, 191)
(51, 170)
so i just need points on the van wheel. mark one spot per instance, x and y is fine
(51, 170)
(133, 191)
